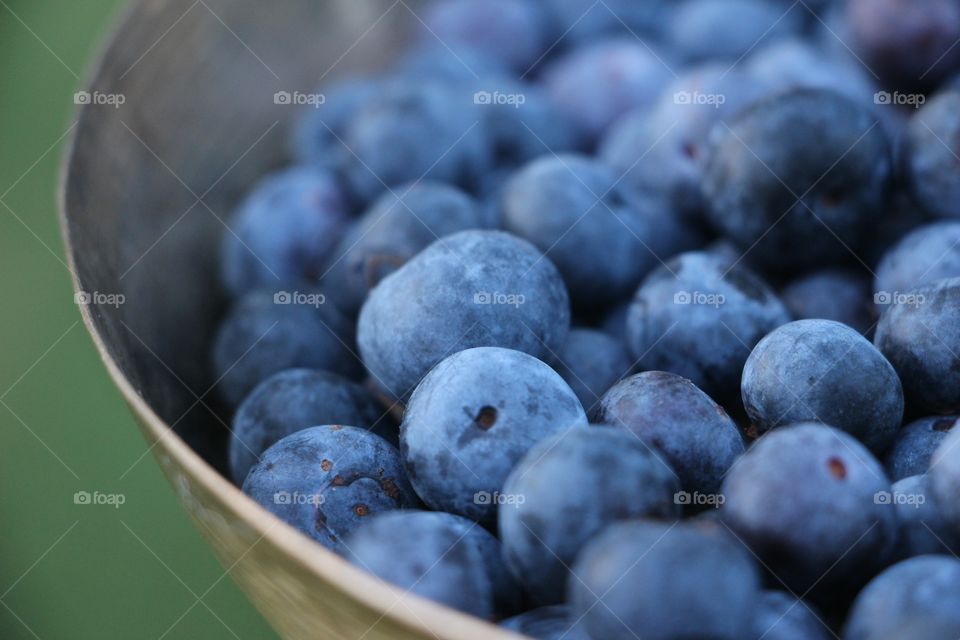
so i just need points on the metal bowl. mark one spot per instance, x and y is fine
(181, 116)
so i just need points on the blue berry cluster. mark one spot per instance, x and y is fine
(621, 319)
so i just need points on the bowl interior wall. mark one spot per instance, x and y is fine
(153, 181)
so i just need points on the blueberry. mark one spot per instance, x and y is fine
(699, 316)
(658, 159)
(490, 194)
(916, 599)
(841, 295)
(795, 63)
(798, 178)
(579, 21)
(723, 249)
(268, 331)
(511, 31)
(914, 445)
(908, 44)
(602, 239)
(945, 479)
(598, 83)
(922, 527)
(546, 623)
(435, 555)
(412, 130)
(284, 231)
(781, 616)
(815, 7)
(804, 498)
(326, 480)
(643, 579)
(472, 418)
(316, 137)
(900, 217)
(930, 151)
(591, 362)
(523, 123)
(295, 399)
(660, 151)
(436, 61)
(669, 413)
(823, 371)
(568, 488)
(730, 29)
(470, 289)
(920, 336)
(614, 322)
(926, 255)
(398, 226)
(508, 597)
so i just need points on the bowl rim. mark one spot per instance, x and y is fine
(417, 613)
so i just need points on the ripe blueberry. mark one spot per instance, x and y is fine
(472, 418)
(327, 480)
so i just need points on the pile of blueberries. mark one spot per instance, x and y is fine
(621, 318)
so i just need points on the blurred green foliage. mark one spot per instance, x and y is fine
(74, 571)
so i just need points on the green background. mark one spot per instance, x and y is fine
(66, 570)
